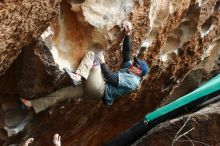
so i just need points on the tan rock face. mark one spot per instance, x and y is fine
(173, 37)
(20, 23)
(83, 23)
(106, 14)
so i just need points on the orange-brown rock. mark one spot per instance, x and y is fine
(174, 37)
(20, 23)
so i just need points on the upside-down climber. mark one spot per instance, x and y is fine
(94, 79)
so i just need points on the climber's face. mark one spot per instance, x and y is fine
(135, 69)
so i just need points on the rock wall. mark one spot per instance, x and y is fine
(20, 23)
(33, 74)
(83, 23)
(172, 36)
(171, 67)
(207, 68)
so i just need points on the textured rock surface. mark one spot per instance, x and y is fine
(20, 23)
(175, 37)
(82, 23)
(200, 128)
(207, 68)
(98, 14)
(35, 64)
(33, 74)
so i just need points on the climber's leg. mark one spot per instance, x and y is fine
(95, 83)
(55, 97)
(86, 65)
(84, 68)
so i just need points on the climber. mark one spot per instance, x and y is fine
(99, 80)
(56, 140)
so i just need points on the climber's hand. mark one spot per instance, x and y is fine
(127, 27)
(27, 142)
(57, 140)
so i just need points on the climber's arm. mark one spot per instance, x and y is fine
(126, 49)
(127, 44)
(109, 76)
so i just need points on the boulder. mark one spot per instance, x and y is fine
(172, 36)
